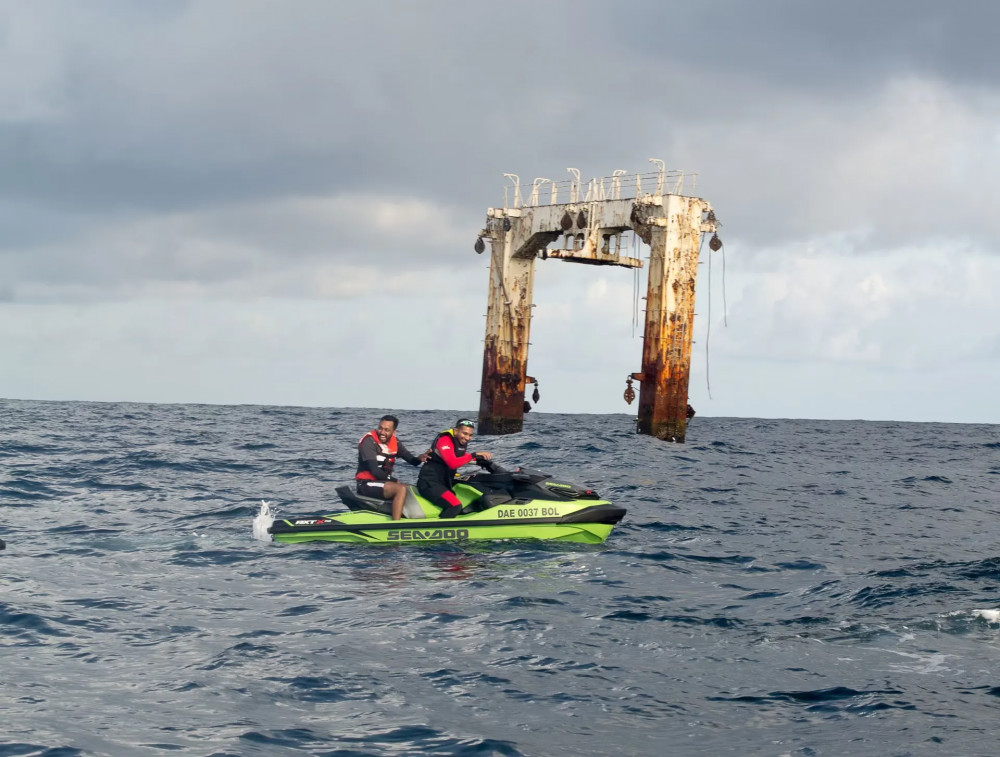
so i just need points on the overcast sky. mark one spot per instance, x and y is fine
(243, 201)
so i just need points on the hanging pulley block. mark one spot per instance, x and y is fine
(629, 391)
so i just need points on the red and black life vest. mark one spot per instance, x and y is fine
(436, 469)
(386, 457)
(458, 447)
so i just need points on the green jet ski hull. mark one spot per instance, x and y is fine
(522, 505)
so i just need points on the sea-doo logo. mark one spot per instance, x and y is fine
(437, 533)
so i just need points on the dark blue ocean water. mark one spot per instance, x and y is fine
(778, 587)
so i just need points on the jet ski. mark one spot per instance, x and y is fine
(498, 504)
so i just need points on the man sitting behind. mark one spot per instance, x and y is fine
(447, 456)
(377, 453)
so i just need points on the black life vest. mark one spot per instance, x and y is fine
(436, 468)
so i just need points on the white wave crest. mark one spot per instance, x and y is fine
(262, 521)
(990, 616)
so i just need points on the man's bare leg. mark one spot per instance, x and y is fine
(395, 491)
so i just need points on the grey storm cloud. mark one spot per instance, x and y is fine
(844, 46)
(167, 105)
(115, 112)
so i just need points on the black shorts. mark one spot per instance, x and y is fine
(375, 489)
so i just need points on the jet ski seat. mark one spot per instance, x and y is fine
(355, 501)
(485, 501)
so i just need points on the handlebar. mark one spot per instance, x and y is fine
(488, 465)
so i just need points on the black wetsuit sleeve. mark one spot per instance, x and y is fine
(368, 453)
(404, 453)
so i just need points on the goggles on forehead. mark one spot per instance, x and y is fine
(465, 422)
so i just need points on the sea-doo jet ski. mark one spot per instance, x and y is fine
(498, 504)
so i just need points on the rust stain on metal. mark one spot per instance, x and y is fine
(670, 296)
(508, 326)
(501, 403)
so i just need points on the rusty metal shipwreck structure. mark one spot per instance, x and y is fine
(585, 225)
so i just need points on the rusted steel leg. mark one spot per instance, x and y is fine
(505, 352)
(501, 403)
(666, 347)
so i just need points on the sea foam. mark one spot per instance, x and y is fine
(262, 521)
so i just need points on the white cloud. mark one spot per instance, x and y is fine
(904, 309)
(271, 351)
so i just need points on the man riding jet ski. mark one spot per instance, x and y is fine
(447, 455)
(492, 504)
